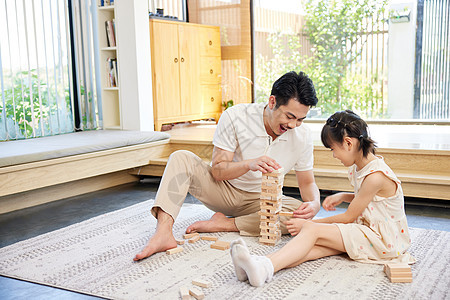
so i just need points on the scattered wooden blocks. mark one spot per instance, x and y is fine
(398, 272)
(190, 235)
(184, 293)
(196, 293)
(202, 283)
(180, 242)
(174, 250)
(210, 238)
(194, 239)
(221, 245)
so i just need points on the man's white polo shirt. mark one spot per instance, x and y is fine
(241, 130)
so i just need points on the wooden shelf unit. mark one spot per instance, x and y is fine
(111, 96)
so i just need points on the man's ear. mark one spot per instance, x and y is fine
(272, 102)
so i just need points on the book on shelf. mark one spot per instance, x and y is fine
(111, 72)
(105, 2)
(110, 33)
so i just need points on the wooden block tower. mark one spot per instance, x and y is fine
(270, 204)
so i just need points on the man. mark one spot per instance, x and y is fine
(250, 139)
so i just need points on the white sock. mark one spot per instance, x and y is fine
(259, 269)
(240, 273)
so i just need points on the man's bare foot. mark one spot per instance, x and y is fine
(163, 238)
(160, 242)
(218, 222)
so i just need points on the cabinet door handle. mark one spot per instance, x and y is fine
(211, 71)
(210, 43)
(182, 59)
(212, 99)
(175, 60)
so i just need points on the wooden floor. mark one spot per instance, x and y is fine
(419, 154)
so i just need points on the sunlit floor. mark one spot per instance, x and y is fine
(30, 222)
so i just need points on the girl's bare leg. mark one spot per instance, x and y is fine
(314, 241)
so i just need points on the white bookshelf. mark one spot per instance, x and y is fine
(111, 95)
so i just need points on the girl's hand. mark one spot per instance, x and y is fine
(304, 211)
(294, 225)
(332, 201)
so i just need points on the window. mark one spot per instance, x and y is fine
(48, 68)
(35, 93)
(358, 56)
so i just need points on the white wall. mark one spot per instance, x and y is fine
(134, 64)
(401, 61)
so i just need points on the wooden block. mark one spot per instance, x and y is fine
(267, 231)
(277, 206)
(180, 242)
(270, 235)
(174, 250)
(401, 279)
(398, 272)
(270, 190)
(399, 275)
(267, 242)
(275, 172)
(265, 214)
(210, 238)
(202, 283)
(196, 293)
(221, 245)
(269, 218)
(269, 228)
(267, 196)
(268, 180)
(184, 293)
(396, 267)
(190, 235)
(286, 213)
(263, 204)
(271, 201)
(269, 224)
(270, 183)
(194, 239)
(272, 211)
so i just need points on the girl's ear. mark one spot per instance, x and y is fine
(348, 143)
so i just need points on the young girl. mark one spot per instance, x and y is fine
(372, 230)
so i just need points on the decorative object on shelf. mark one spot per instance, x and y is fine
(227, 104)
(160, 15)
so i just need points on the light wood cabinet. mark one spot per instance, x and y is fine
(186, 71)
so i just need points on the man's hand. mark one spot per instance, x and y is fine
(264, 164)
(305, 211)
(294, 225)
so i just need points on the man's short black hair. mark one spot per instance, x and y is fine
(294, 86)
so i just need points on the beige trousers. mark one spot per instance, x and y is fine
(186, 172)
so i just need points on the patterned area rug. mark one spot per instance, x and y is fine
(95, 257)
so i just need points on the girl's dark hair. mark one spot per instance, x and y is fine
(294, 86)
(347, 123)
